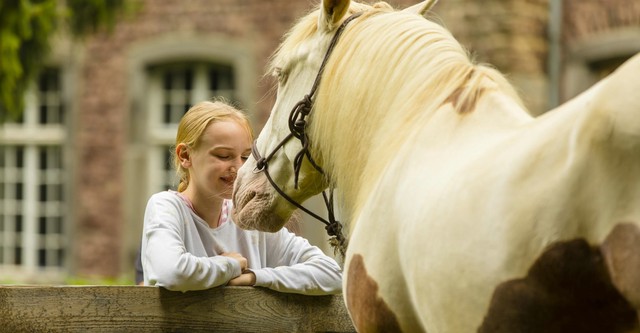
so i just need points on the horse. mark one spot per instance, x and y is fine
(463, 212)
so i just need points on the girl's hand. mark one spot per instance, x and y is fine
(237, 256)
(248, 278)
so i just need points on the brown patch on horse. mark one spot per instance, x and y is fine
(567, 289)
(621, 251)
(369, 312)
(468, 103)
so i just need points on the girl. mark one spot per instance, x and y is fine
(189, 241)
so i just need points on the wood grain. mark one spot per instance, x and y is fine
(152, 309)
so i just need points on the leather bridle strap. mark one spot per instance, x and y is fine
(265, 168)
(298, 126)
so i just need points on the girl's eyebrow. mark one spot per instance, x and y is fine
(222, 147)
(247, 151)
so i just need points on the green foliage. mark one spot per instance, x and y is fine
(26, 27)
(87, 16)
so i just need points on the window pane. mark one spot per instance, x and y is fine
(42, 225)
(221, 77)
(17, 259)
(18, 191)
(50, 97)
(42, 257)
(18, 224)
(178, 84)
(221, 81)
(19, 159)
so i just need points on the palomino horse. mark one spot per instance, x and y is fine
(464, 213)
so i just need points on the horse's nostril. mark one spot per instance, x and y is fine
(251, 195)
(245, 199)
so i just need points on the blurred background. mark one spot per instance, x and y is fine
(91, 92)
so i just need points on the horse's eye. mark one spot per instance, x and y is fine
(280, 74)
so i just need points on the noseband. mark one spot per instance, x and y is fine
(297, 128)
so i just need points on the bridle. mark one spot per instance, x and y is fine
(297, 128)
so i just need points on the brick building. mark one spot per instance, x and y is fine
(75, 174)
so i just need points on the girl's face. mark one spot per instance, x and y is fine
(213, 166)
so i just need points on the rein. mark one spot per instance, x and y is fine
(298, 126)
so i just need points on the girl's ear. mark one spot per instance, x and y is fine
(183, 155)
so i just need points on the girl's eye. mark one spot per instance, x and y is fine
(223, 157)
(244, 158)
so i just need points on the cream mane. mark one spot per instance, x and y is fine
(389, 73)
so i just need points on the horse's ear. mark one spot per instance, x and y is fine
(421, 8)
(331, 13)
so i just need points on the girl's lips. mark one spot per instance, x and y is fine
(228, 179)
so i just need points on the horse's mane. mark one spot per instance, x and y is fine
(410, 67)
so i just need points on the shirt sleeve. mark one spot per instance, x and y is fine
(295, 266)
(165, 260)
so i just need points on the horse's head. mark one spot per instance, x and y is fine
(296, 65)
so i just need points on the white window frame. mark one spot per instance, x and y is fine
(33, 136)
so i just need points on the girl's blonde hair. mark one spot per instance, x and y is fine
(194, 123)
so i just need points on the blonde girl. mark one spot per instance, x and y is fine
(189, 241)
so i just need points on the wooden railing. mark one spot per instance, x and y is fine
(153, 309)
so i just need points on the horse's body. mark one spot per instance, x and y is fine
(465, 213)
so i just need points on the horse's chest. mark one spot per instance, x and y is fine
(377, 297)
(369, 311)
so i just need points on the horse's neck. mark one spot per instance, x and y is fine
(375, 135)
(494, 112)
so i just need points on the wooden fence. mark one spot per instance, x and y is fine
(153, 309)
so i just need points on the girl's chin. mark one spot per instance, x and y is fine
(227, 192)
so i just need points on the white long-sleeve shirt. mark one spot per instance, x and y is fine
(181, 252)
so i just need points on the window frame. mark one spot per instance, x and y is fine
(34, 137)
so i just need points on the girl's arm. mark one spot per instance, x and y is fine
(296, 266)
(165, 259)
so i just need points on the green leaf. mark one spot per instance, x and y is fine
(26, 27)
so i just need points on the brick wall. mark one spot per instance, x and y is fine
(585, 18)
(508, 34)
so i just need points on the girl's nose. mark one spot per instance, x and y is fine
(237, 163)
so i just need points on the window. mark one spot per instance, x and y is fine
(174, 88)
(32, 178)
